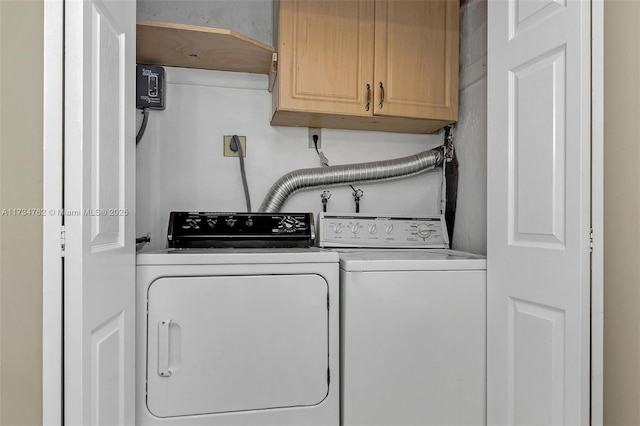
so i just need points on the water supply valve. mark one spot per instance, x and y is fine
(325, 198)
(357, 195)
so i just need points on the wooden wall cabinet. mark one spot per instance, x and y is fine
(385, 65)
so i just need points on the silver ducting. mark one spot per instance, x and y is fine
(349, 173)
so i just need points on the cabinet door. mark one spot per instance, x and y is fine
(325, 56)
(416, 58)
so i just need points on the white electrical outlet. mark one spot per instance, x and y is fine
(315, 132)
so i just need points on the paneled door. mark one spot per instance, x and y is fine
(538, 234)
(99, 185)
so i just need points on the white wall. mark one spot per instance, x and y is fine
(180, 165)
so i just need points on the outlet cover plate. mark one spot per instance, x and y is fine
(315, 131)
(227, 146)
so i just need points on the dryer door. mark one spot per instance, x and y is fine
(232, 343)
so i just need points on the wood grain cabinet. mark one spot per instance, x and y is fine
(386, 65)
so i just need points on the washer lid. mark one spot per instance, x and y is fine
(229, 256)
(410, 260)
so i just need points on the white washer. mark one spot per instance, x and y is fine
(237, 337)
(413, 324)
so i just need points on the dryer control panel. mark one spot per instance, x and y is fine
(382, 231)
(213, 230)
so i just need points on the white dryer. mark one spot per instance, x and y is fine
(413, 323)
(237, 337)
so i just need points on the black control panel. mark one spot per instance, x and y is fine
(216, 230)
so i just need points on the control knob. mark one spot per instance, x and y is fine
(288, 224)
(424, 230)
(355, 228)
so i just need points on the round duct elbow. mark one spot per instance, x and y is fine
(301, 179)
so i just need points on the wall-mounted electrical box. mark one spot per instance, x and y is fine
(150, 87)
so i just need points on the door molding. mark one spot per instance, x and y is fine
(52, 217)
(597, 214)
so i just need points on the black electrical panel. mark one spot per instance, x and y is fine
(150, 87)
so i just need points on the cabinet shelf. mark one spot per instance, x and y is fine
(189, 46)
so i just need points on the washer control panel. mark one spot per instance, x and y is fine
(378, 231)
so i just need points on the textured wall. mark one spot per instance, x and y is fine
(21, 74)
(470, 232)
(253, 18)
(622, 213)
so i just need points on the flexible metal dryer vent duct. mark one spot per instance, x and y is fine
(349, 173)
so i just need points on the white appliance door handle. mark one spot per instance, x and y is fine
(163, 348)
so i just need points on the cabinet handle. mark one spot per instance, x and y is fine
(366, 108)
(381, 95)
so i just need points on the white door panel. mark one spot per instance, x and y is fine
(99, 272)
(538, 256)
